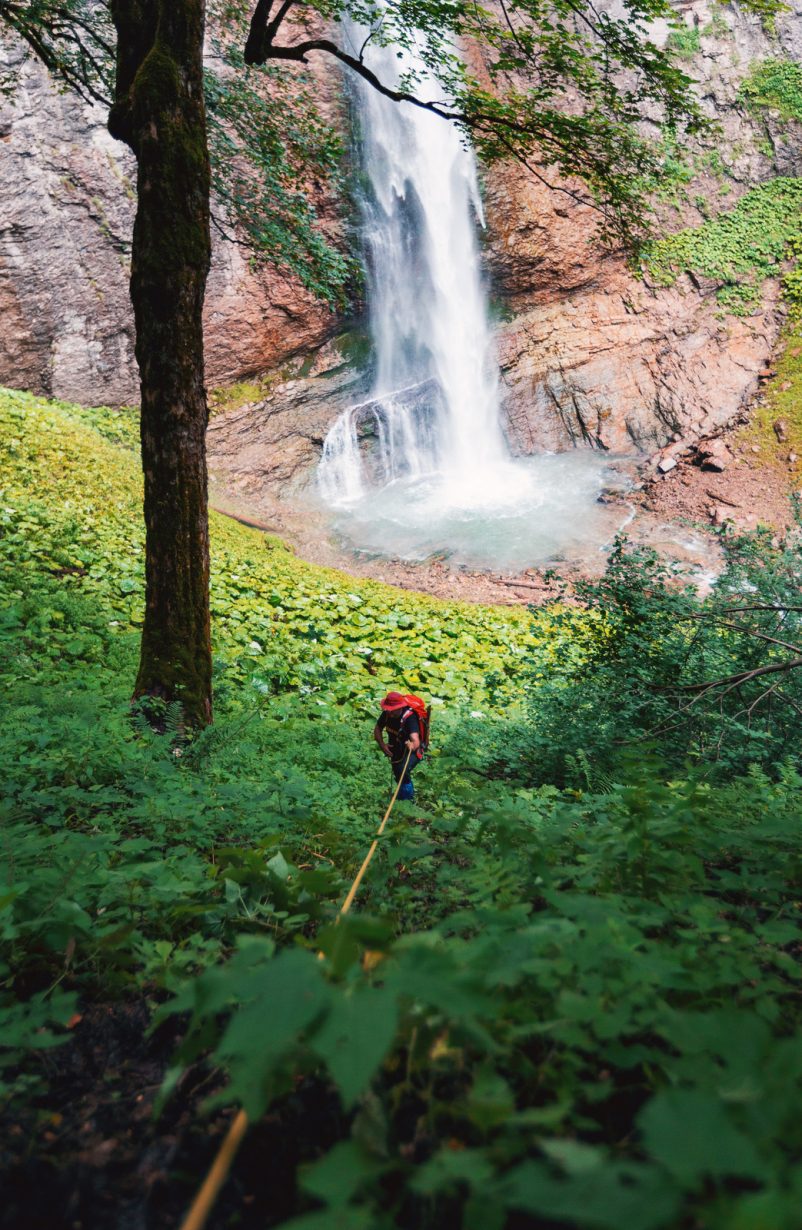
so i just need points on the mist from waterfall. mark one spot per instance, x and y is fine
(422, 465)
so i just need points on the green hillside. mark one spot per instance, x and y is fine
(569, 991)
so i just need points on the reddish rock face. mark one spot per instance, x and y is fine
(254, 321)
(623, 368)
(592, 354)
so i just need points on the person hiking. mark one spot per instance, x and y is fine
(405, 720)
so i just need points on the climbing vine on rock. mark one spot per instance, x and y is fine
(739, 248)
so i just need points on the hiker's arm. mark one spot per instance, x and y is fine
(413, 742)
(378, 735)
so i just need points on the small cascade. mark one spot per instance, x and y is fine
(391, 437)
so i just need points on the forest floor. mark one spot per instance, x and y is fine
(581, 1007)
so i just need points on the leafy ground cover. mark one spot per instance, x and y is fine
(570, 994)
(775, 84)
(739, 248)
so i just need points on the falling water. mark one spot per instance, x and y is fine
(428, 314)
(423, 464)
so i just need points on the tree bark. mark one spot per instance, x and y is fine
(159, 112)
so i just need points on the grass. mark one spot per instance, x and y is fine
(781, 400)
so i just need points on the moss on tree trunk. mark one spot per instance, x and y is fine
(159, 112)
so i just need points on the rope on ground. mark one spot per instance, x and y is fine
(346, 905)
(218, 1172)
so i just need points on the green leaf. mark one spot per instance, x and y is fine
(572, 1156)
(693, 1136)
(606, 1198)
(337, 1177)
(491, 1100)
(764, 1211)
(450, 1168)
(291, 995)
(355, 1038)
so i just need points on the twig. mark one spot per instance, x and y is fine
(254, 525)
(519, 584)
(721, 499)
(730, 681)
(761, 636)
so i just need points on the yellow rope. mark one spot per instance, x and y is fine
(346, 905)
(217, 1174)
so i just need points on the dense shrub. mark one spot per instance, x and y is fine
(706, 687)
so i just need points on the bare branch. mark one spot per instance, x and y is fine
(526, 164)
(779, 607)
(730, 681)
(218, 226)
(273, 27)
(63, 27)
(755, 632)
(298, 53)
(370, 35)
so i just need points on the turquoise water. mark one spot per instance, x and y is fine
(539, 509)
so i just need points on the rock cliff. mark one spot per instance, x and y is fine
(66, 212)
(590, 352)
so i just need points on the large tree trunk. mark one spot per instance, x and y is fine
(159, 112)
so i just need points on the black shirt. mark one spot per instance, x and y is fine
(399, 728)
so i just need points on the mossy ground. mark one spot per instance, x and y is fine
(781, 402)
(228, 397)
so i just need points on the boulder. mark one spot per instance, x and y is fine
(713, 455)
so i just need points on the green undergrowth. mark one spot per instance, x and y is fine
(775, 84)
(685, 41)
(278, 622)
(739, 248)
(569, 992)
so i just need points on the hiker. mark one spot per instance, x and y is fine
(405, 718)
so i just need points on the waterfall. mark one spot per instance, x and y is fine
(427, 307)
(422, 466)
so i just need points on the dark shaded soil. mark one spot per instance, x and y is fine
(90, 1156)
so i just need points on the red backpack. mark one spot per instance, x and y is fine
(407, 703)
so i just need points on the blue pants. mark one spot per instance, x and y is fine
(407, 790)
